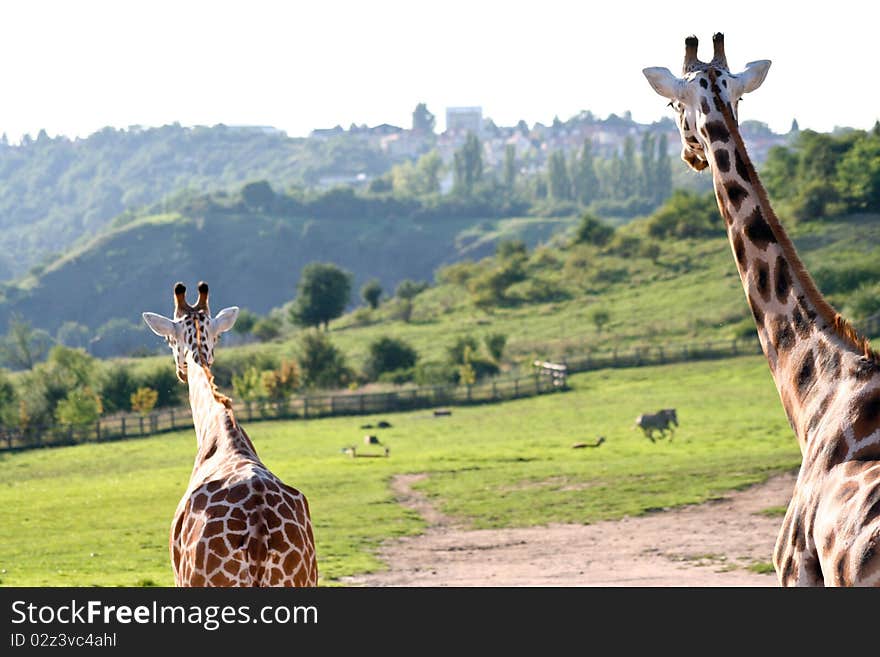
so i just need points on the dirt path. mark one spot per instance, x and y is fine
(708, 544)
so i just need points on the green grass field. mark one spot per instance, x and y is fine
(99, 514)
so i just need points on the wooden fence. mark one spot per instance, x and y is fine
(121, 427)
(546, 377)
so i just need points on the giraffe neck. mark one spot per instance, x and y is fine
(808, 346)
(218, 435)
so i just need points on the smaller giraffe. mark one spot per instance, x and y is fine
(237, 524)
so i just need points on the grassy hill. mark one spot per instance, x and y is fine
(99, 514)
(251, 259)
(687, 293)
(54, 191)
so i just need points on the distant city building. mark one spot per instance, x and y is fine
(464, 119)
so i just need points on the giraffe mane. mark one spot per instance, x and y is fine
(841, 326)
(220, 397)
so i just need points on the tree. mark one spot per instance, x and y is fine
(72, 334)
(858, 175)
(143, 400)
(629, 173)
(557, 177)
(428, 170)
(266, 329)
(422, 120)
(280, 384)
(455, 353)
(591, 230)
(248, 386)
(245, 322)
(600, 317)
(647, 166)
(495, 343)
(81, 407)
(258, 195)
(468, 165)
(24, 346)
(466, 374)
(408, 289)
(116, 388)
(322, 365)
(585, 182)
(662, 171)
(389, 355)
(322, 294)
(509, 166)
(371, 292)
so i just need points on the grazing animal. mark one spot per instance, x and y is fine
(598, 442)
(827, 375)
(237, 524)
(662, 421)
(383, 424)
(371, 440)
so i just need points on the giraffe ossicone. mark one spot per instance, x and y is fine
(237, 524)
(827, 376)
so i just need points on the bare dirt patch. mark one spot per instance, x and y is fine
(710, 544)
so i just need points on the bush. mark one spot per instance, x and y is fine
(592, 231)
(116, 387)
(81, 407)
(321, 363)
(143, 400)
(408, 289)
(686, 214)
(433, 373)
(266, 329)
(495, 343)
(814, 201)
(455, 353)
(389, 355)
(398, 376)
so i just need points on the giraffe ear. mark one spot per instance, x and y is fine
(225, 319)
(161, 326)
(664, 82)
(752, 77)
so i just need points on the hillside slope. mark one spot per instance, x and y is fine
(252, 260)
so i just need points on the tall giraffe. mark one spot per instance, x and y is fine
(827, 376)
(237, 524)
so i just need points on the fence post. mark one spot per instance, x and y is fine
(494, 389)
(141, 421)
(734, 347)
(98, 431)
(123, 426)
(172, 417)
(362, 402)
(305, 407)
(537, 383)
(516, 387)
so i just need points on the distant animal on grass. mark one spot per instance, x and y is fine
(371, 440)
(598, 442)
(382, 424)
(662, 421)
(366, 426)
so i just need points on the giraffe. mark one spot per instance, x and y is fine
(237, 524)
(827, 376)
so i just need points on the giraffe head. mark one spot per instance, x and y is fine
(704, 93)
(192, 331)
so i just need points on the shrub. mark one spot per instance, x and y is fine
(81, 407)
(266, 329)
(322, 365)
(143, 400)
(686, 214)
(591, 230)
(495, 343)
(389, 355)
(432, 373)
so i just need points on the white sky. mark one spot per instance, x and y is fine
(73, 67)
